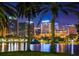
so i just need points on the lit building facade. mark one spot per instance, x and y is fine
(32, 28)
(12, 26)
(23, 29)
(45, 27)
(37, 30)
(60, 31)
(72, 29)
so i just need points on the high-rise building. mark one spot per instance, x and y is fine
(31, 28)
(72, 29)
(45, 27)
(56, 26)
(37, 30)
(23, 28)
(61, 33)
(12, 26)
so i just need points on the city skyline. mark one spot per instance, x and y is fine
(62, 19)
(49, 28)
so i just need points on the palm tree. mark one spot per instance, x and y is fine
(6, 10)
(2, 27)
(29, 10)
(55, 8)
(77, 25)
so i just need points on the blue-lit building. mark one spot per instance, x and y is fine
(23, 28)
(12, 26)
(46, 27)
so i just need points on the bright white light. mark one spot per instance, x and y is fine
(72, 47)
(45, 21)
(56, 24)
(10, 17)
(30, 22)
(57, 48)
(11, 46)
(9, 49)
(3, 47)
(71, 25)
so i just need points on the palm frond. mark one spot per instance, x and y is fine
(41, 18)
(71, 5)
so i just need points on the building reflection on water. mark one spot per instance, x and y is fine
(13, 45)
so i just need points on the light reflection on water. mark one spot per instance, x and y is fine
(70, 48)
(59, 47)
(12, 46)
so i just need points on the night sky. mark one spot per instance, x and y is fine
(62, 19)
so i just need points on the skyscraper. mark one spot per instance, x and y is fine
(23, 28)
(45, 27)
(72, 29)
(37, 30)
(12, 26)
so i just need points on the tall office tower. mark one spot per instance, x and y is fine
(12, 26)
(72, 29)
(56, 26)
(22, 29)
(31, 29)
(61, 31)
(45, 27)
(37, 30)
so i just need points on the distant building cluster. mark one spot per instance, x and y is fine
(60, 31)
(16, 28)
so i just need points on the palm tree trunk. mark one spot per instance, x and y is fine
(28, 42)
(53, 26)
(24, 44)
(2, 28)
(2, 32)
(53, 31)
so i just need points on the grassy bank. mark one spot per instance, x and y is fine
(20, 53)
